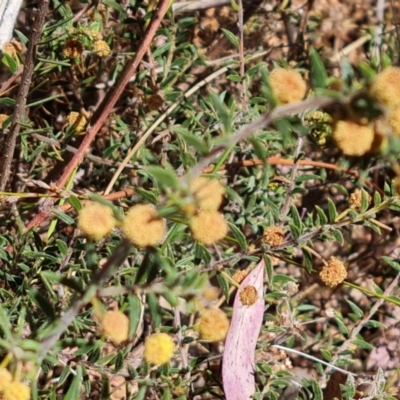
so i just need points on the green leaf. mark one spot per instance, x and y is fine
(165, 177)
(296, 218)
(317, 391)
(154, 309)
(364, 201)
(239, 236)
(10, 62)
(135, 312)
(322, 216)
(199, 144)
(332, 210)
(394, 264)
(224, 284)
(74, 388)
(63, 217)
(307, 257)
(231, 37)
(363, 344)
(377, 198)
(318, 75)
(326, 354)
(341, 325)
(337, 234)
(357, 311)
(75, 202)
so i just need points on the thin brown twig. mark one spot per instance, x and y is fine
(13, 132)
(106, 106)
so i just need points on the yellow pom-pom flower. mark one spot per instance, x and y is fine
(101, 48)
(386, 87)
(273, 236)
(3, 118)
(96, 220)
(248, 296)
(77, 121)
(394, 121)
(16, 391)
(213, 325)
(115, 326)
(288, 85)
(208, 227)
(158, 348)
(208, 193)
(352, 138)
(73, 48)
(5, 378)
(333, 273)
(142, 227)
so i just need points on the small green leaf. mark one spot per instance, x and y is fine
(377, 198)
(332, 210)
(318, 75)
(135, 312)
(165, 177)
(357, 311)
(323, 219)
(63, 217)
(239, 236)
(296, 217)
(363, 344)
(337, 234)
(231, 37)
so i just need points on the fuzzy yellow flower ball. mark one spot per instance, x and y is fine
(3, 118)
(394, 121)
(16, 391)
(96, 220)
(142, 227)
(353, 139)
(355, 199)
(288, 85)
(208, 227)
(158, 348)
(5, 378)
(115, 326)
(386, 87)
(73, 48)
(333, 273)
(77, 121)
(208, 193)
(101, 48)
(213, 325)
(273, 236)
(248, 296)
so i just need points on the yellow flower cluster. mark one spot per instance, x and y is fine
(353, 138)
(248, 296)
(101, 48)
(333, 273)
(77, 121)
(11, 389)
(213, 325)
(158, 348)
(115, 326)
(208, 226)
(73, 48)
(273, 236)
(96, 220)
(142, 226)
(287, 85)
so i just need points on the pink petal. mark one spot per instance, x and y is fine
(239, 353)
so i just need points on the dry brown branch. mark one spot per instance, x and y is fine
(106, 107)
(12, 134)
